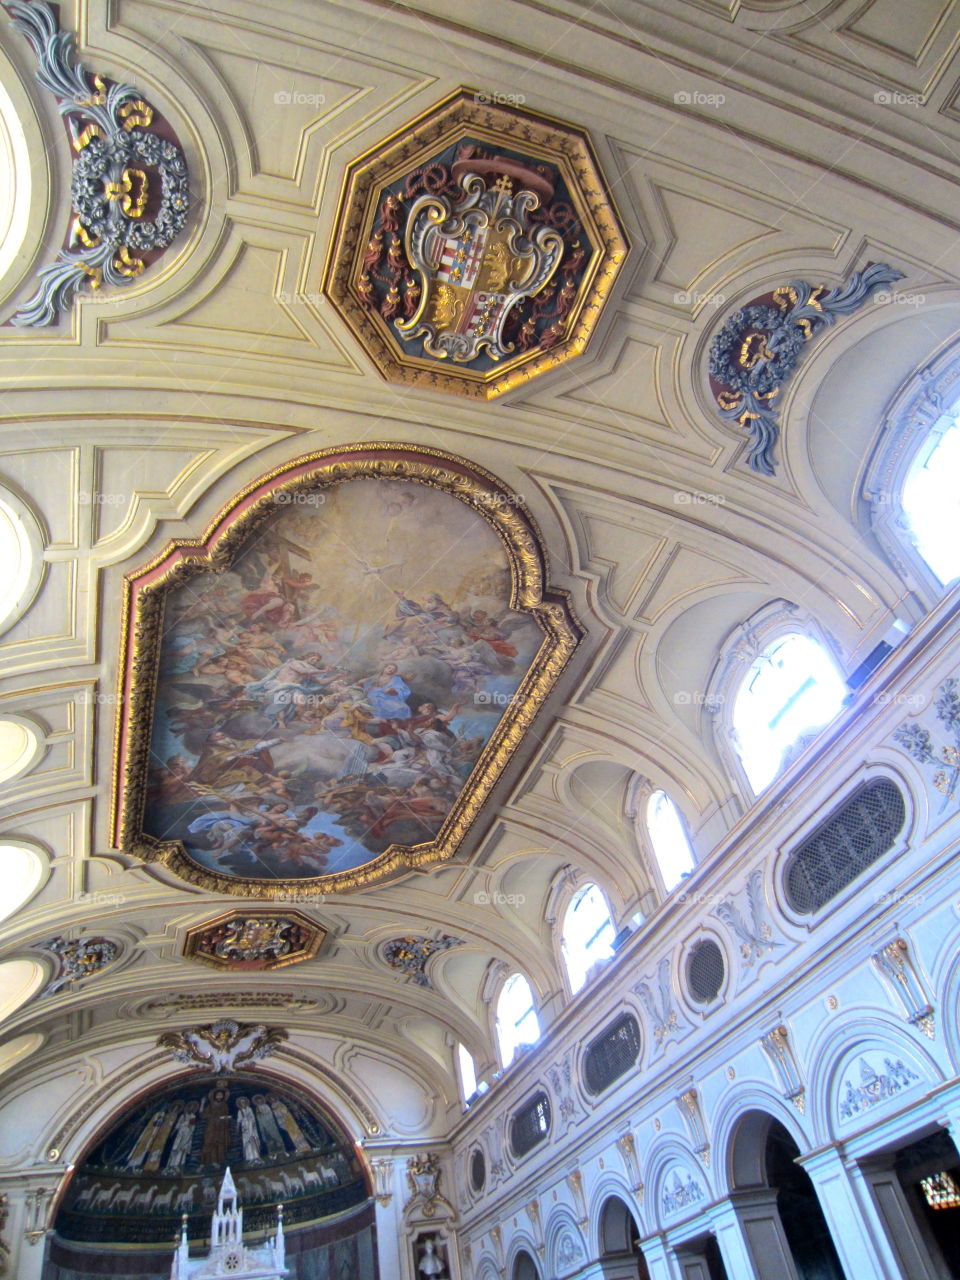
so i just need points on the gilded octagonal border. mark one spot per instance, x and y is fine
(224, 539)
(539, 136)
(196, 935)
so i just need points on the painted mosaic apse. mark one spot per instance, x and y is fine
(167, 1156)
(329, 694)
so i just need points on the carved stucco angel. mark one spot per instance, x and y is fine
(224, 1045)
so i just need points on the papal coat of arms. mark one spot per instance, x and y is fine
(475, 250)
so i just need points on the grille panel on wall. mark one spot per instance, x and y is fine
(611, 1054)
(859, 832)
(706, 971)
(530, 1124)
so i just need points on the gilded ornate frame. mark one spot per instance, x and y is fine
(215, 550)
(195, 935)
(539, 136)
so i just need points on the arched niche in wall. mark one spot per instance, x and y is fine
(785, 1228)
(165, 1155)
(618, 1234)
(524, 1267)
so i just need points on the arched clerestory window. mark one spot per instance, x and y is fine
(467, 1070)
(669, 839)
(910, 480)
(930, 498)
(776, 685)
(790, 690)
(587, 934)
(517, 1021)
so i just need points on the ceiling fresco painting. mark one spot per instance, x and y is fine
(475, 249)
(166, 1158)
(338, 689)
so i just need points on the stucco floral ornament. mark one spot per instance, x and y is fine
(759, 347)
(130, 185)
(917, 740)
(78, 958)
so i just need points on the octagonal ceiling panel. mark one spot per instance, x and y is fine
(325, 687)
(244, 940)
(474, 249)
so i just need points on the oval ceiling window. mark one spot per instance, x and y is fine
(16, 1050)
(16, 177)
(21, 870)
(20, 745)
(19, 980)
(21, 554)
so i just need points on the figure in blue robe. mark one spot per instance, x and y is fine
(387, 694)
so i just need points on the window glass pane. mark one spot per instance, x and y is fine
(22, 872)
(517, 1021)
(468, 1072)
(931, 503)
(669, 839)
(15, 557)
(791, 689)
(19, 980)
(587, 934)
(18, 745)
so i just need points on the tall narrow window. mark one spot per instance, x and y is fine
(669, 839)
(587, 934)
(790, 690)
(931, 501)
(468, 1072)
(517, 1022)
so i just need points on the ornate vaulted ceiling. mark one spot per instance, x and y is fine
(745, 146)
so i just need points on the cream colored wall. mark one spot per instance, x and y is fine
(223, 361)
